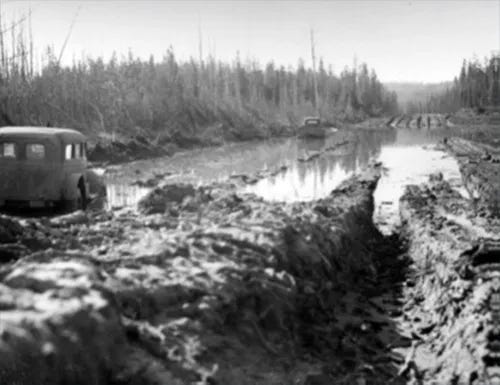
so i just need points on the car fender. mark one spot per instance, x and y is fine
(70, 188)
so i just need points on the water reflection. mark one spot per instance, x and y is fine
(302, 183)
(314, 167)
(407, 156)
(317, 177)
(121, 195)
(311, 145)
(408, 164)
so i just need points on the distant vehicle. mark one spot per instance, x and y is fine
(314, 128)
(42, 167)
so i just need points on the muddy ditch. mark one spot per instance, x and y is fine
(211, 286)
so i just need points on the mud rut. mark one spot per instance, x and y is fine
(444, 280)
(452, 290)
(371, 348)
(430, 311)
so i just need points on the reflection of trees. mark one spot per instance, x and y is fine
(365, 146)
(318, 168)
(348, 161)
(315, 182)
(302, 171)
(323, 168)
(309, 145)
(369, 146)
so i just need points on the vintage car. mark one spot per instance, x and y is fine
(42, 167)
(313, 127)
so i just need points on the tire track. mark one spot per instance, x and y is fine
(453, 293)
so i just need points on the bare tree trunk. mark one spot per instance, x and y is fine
(200, 79)
(315, 83)
(31, 48)
(200, 44)
(68, 35)
(2, 46)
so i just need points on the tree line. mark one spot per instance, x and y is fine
(162, 97)
(477, 87)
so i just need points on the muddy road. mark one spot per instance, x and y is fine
(371, 257)
(205, 286)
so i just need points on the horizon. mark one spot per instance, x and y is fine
(418, 52)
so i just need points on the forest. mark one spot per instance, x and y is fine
(476, 87)
(127, 95)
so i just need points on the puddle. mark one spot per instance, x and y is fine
(406, 165)
(303, 182)
(316, 178)
(314, 167)
(408, 157)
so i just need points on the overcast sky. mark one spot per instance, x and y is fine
(419, 40)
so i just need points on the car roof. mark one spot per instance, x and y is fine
(312, 118)
(38, 132)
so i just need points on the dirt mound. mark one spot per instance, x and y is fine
(168, 196)
(56, 327)
(250, 279)
(449, 307)
(480, 169)
(21, 236)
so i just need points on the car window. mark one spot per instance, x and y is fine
(68, 152)
(83, 150)
(7, 150)
(35, 151)
(78, 151)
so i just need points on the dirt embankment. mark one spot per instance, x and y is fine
(205, 286)
(451, 301)
(144, 146)
(480, 169)
(452, 293)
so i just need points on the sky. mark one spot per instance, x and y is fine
(419, 40)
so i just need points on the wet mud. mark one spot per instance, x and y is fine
(214, 284)
(480, 169)
(208, 286)
(452, 291)
(451, 305)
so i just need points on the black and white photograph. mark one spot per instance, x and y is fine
(249, 192)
